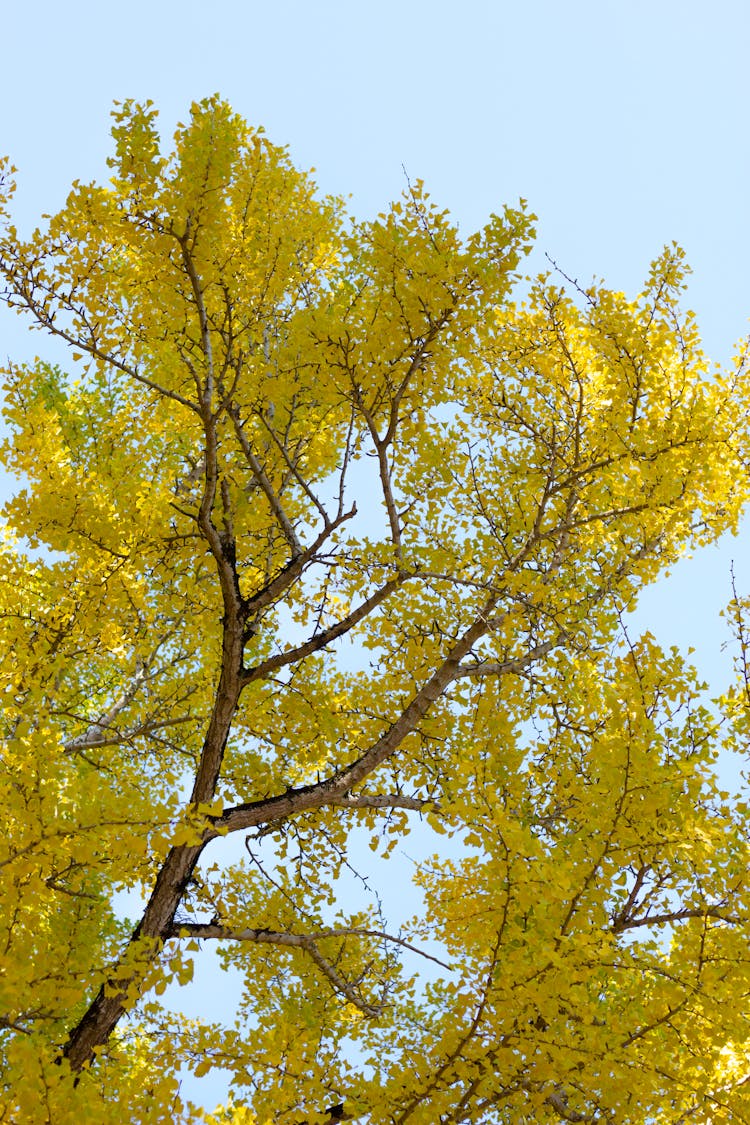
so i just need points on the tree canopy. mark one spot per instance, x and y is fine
(321, 535)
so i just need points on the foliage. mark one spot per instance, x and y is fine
(325, 539)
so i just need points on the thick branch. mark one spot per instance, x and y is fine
(502, 668)
(102, 731)
(329, 790)
(96, 1026)
(385, 801)
(114, 996)
(624, 923)
(9, 1024)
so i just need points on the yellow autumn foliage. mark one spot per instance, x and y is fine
(322, 539)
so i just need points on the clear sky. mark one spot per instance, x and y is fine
(624, 125)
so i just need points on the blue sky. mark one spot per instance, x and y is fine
(623, 124)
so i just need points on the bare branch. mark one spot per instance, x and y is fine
(299, 941)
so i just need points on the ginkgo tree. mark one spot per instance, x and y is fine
(321, 535)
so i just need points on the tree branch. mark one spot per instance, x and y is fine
(320, 640)
(384, 801)
(269, 492)
(325, 792)
(502, 668)
(206, 930)
(22, 287)
(306, 942)
(623, 923)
